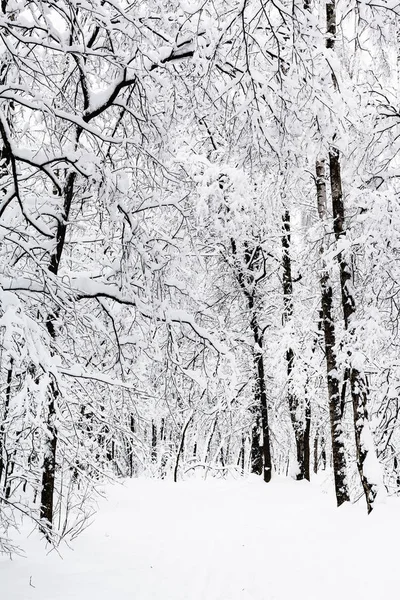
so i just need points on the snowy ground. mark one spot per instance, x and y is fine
(217, 540)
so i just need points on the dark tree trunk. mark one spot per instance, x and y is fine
(323, 453)
(208, 451)
(316, 453)
(330, 24)
(49, 462)
(248, 283)
(256, 450)
(261, 399)
(242, 457)
(131, 451)
(301, 426)
(306, 437)
(222, 457)
(153, 442)
(181, 446)
(3, 458)
(396, 471)
(109, 447)
(358, 384)
(338, 450)
(49, 466)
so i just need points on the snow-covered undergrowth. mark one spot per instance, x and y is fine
(217, 540)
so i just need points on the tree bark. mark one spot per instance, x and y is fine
(301, 427)
(256, 450)
(316, 453)
(338, 450)
(248, 283)
(358, 384)
(153, 442)
(3, 458)
(260, 392)
(261, 396)
(49, 462)
(49, 466)
(306, 438)
(181, 445)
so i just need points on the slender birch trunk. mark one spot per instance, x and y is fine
(328, 324)
(301, 426)
(261, 459)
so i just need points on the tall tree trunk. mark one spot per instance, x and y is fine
(256, 450)
(50, 453)
(3, 458)
(301, 426)
(306, 438)
(323, 453)
(49, 465)
(248, 283)
(260, 394)
(242, 455)
(365, 450)
(335, 414)
(153, 442)
(132, 428)
(316, 452)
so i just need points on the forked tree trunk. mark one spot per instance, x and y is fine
(335, 413)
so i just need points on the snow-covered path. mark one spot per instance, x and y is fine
(217, 540)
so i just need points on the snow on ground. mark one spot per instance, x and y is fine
(217, 540)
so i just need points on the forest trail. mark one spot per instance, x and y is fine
(217, 540)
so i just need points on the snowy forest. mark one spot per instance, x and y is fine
(199, 244)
